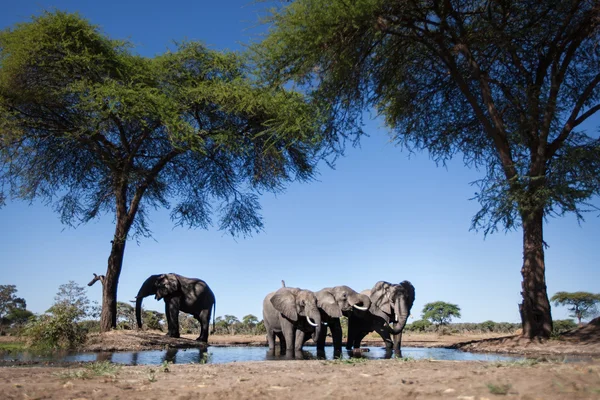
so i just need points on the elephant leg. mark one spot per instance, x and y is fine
(358, 337)
(204, 320)
(300, 335)
(321, 342)
(351, 332)
(271, 341)
(336, 335)
(172, 313)
(282, 345)
(397, 343)
(289, 333)
(384, 332)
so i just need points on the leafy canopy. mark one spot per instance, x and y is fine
(505, 84)
(85, 121)
(440, 313)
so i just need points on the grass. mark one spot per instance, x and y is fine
(526, 362)
(101, 368)
(348, 361)
(501, 389)
(12, 346)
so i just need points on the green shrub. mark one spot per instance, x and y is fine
(60, 327)
(55, 331)
(421, 325)
(562, 325)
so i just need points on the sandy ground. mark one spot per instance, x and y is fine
(314, 379)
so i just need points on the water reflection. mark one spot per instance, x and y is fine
(218, 355)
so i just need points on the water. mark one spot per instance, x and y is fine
(220, 355)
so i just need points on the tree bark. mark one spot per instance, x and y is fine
(108, 319)
(535, 309)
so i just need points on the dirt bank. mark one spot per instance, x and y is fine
(344, 379)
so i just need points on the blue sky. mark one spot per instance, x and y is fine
(382, 214)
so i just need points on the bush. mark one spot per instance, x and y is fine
(59, 328)
(562, 325)
(55, 331)
(421, 325)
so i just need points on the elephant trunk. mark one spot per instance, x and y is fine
(402, 311)
(361, 302)
(148, 288)
(313, 317)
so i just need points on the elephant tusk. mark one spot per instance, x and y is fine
(310, 321)
(360, 308)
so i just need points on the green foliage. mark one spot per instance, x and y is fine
(187, 125)
(458, 78)
(13, 309)
(440, 313)
(560, 326)
(153, 319)
(582, 305)
(125, 316)
(421, 325)
(61, 326)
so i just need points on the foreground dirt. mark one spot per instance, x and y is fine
(342, 379)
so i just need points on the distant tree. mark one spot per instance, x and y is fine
(249, 323)
(505, 85)
(72, 300)
(13, 309)
(440, 313)
(582, 305)
(9, 300)
(93, 128)
(153, 319)
(125, 315)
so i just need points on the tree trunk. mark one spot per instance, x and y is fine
(535, 309)
(108, 318)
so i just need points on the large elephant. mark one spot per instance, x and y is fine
(290, 314)
(334, 302)
(390, 307)
(189, 295)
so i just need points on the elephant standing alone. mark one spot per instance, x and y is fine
(289, 314)
(189, 295)
(390, 307)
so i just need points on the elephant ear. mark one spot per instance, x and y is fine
(381, 297)
(284, 301)
(326, 302)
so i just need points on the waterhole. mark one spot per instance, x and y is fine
(219, 355)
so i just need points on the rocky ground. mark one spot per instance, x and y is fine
(541, 378)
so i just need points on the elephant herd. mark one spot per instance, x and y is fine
(295, 315)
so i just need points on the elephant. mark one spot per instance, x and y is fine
(189, 295)
(289, 314)
(334, 302)
(390, 307)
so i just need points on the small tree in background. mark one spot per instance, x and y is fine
(440, 313)
(582, 305)
(125, 315)
(60, 326)
(13, 309)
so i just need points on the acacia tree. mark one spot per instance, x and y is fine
(92, 128)
(581, 304)
(505, 84)
(440, 312)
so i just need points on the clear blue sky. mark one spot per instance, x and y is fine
(382, 214)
